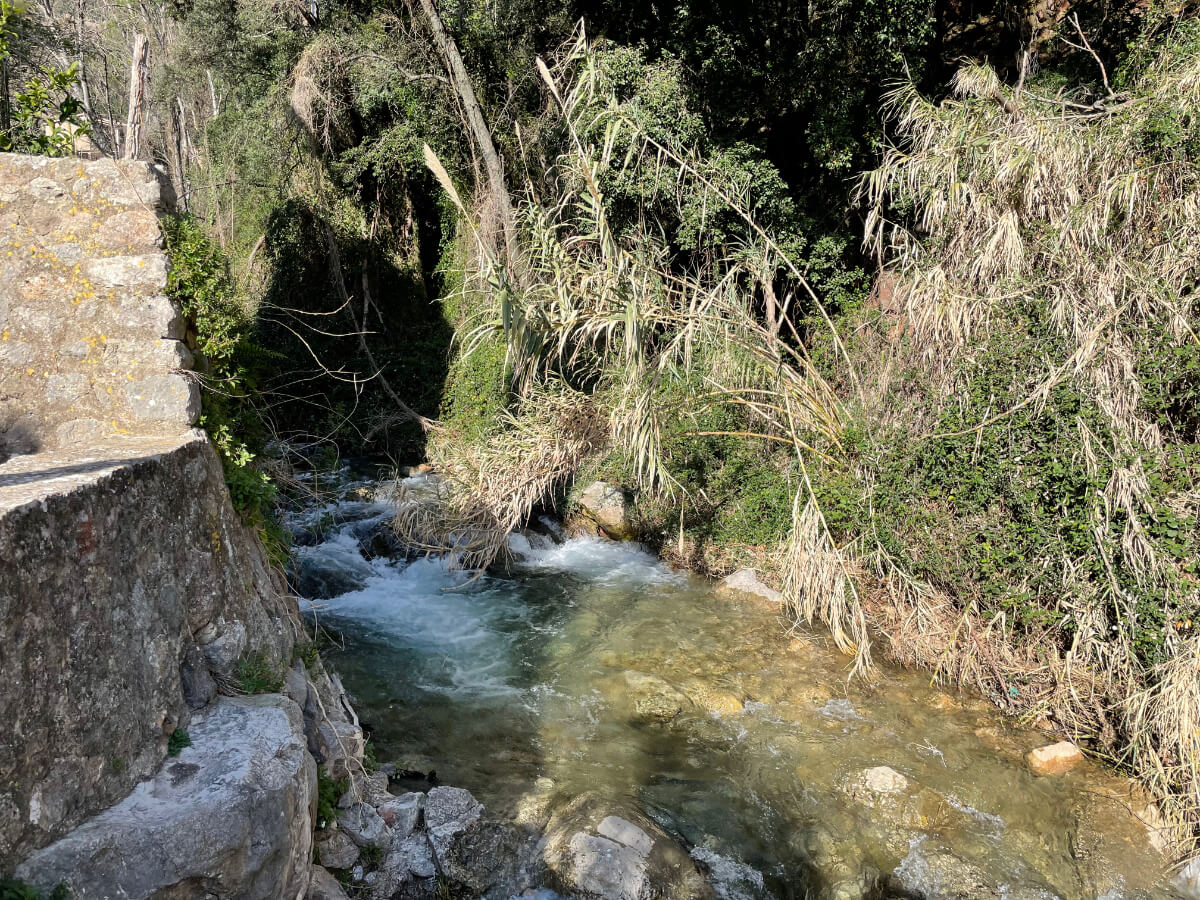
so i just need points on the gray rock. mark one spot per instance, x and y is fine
(604, 868)
(469, 852)
(408, 870)
(1187, 881)
(199, 688)
(608, 507)
(232, 809)
(223, 652)
(336, 850)
(745, 581)
(324, 886)
(374, 788)
(402, 813)
(450, 811)
(364, 826)
(341, 746)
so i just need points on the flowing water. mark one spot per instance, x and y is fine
(592, 667)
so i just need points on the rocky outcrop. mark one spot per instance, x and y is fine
(228, 817)
(90, 346)
(129, 588)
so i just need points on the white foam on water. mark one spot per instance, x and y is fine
(430, 609)
(600, 561)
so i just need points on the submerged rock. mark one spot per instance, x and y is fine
(745, 582)
(731, 880)
(653, 699)
(934, 873)
(229, 816)
(1054, 759)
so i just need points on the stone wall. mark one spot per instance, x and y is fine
(89, 344)
(129, 589)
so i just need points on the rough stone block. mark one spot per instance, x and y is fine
(128, 271)
(164, 399)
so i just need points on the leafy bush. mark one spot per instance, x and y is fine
(42, 118)
(219, 326)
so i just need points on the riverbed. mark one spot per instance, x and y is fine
(592, 667)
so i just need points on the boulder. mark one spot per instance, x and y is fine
(1054, 759)
(335, 850)
(745, 582)
(364, 826)
(470, 852)
(594, 853)
(228, 817)
(608, 507)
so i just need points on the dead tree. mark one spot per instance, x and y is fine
(460, 79)
(139, 70)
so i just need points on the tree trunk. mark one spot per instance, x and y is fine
(461, 80)
(139, 68)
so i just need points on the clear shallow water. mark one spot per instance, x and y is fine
(561, 678)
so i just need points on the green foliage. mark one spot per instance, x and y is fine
(42, 117)
(255, 673)
(14, 889)
(178, 740)
(329, 791)
(308, 653)
(219, 326)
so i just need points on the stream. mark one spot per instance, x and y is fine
(592, 667)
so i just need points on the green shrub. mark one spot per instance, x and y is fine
(329, 790)
(255, 673)
(177, 741)
(220, 324)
